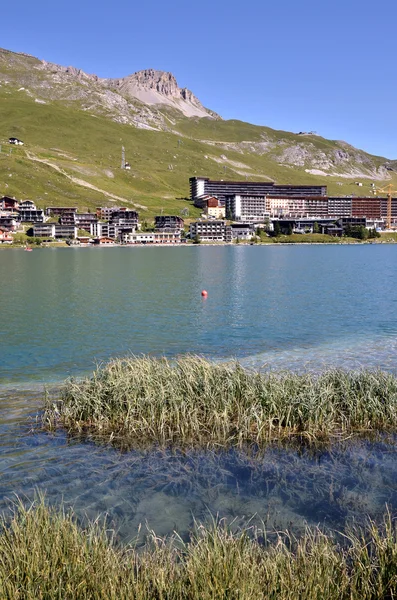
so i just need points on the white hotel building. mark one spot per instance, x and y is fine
(247, 208)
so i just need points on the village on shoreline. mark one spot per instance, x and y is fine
(232, 213)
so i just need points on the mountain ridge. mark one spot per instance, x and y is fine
(77, 122)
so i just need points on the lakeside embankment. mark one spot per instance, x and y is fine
(46, 554)
(191, 401)
(337, 242)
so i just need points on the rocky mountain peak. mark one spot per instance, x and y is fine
(161, 81)
(159, 87)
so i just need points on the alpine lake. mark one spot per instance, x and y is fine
(299, 308)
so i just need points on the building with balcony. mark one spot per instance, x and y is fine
(383, 202)
(203, 186)
(339, 206)
(31, 215)
(9, 204)
(9, 221)
(67, 218)
(128, 218)
(58, 211)
(155, 237)
(105, 212)
(208, 230)
(108, 230)
(240, 231)
(55, 230)
(316, 207)
(79, 220)
(368, 207)
(168, 223)
(241, 207)
(84, 220)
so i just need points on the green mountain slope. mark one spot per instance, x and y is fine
(70, 124)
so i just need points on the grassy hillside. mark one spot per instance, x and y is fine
(82, 149)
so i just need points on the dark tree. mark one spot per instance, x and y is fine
(276, 229)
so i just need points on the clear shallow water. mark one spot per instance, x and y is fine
(167, 490)
(277, 307)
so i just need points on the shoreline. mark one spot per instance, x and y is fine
(202, 244)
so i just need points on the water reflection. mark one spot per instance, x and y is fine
(64, 309)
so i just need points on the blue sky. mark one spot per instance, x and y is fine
(299, 66)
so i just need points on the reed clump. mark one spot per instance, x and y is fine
(44, 553)
(194, 401)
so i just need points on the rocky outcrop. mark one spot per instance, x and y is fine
(138, 99)
(144, 92)
(159, 87)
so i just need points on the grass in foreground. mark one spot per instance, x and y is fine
(193, 401)
(45, 554)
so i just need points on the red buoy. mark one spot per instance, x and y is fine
(204, 293)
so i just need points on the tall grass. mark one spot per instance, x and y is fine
(193, 401)
(45, 554)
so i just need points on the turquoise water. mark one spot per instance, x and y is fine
(305, 307)
(64, 309)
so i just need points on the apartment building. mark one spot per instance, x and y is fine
(105, 212)
(368, 207)
(125, 218)
(57, 211)
(277, 206)
(84, 220)
(203, 186)
(168, 223)
(316, 207)
(393, 208)
(339, 207)
(208, 230)
(55, 230)
(108, 230)
(240, 207)
(241, 231)
(294, 206)
(29, 213)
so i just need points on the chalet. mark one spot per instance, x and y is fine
(85, 240)
(104, 241)
(8, 204)
(15, 141)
